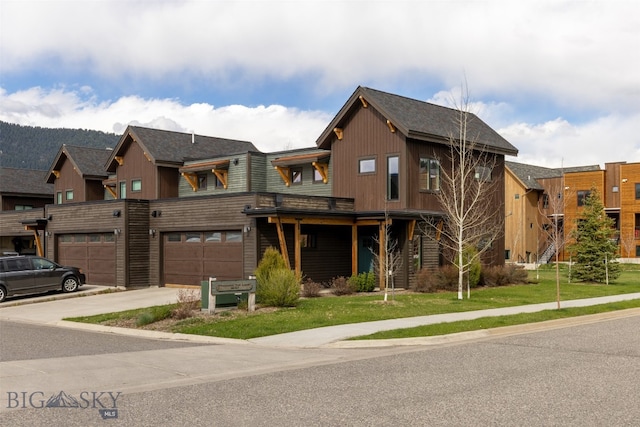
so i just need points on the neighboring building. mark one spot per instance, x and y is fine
(178, 208)
(23, 195)
(539, 199)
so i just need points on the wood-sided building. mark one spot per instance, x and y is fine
(178, 208)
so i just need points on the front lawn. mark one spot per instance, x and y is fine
(328, 311)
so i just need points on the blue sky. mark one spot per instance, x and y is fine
(559, 79)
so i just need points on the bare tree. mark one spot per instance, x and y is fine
(468, 195)
(551, 224)
(391, 261)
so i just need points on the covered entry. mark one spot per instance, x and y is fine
(190, 257)
(94, 253)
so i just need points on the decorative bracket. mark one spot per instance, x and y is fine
(192, 179)
(323, 170)
(285, 174)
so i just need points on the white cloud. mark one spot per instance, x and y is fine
(270, 128)
(581, 54)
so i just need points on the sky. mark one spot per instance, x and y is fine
(558, 79)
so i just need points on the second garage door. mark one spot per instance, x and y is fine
(190, 257)
(94, 253)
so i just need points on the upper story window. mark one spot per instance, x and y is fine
(317, 176)
(393, 178)
(69, 195)
(483, 173)
(582, 196)
(59, 197)
(545, 201)
(638, 191)
(136, 185)
(429, 174)
(202, 181)
(367, 166)
(123, 189)
(296, 176)
(23, 207)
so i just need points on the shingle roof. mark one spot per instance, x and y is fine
(529, 174)
(175, 148)
(423, 120)
(24, 182)
(89, 162)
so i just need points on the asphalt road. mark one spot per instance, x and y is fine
(583, 375)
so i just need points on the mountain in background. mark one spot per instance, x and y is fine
(29, 147)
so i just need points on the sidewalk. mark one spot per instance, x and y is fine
(90, 302)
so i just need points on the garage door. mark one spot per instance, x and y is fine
(94, 253)
(191, 257)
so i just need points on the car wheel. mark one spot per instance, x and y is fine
(3, 293)
(70, 284)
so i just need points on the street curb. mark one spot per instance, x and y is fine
(488, 333)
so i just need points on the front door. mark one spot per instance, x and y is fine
(365, 254)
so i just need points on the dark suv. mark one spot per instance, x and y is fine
(21, 275)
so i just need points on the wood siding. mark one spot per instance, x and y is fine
(629, 208)
(522, 221)
(575, 182)
(366, 135)
(137, 166)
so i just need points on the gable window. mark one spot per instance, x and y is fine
(582, 196)
(296, 176)
(202, 181)
(393, 180)
(429, 174)
(59, 197)
(637, 191)
(69, 195)
(123, 189)
(367, 166)
(545, 201)
(483, 173)
(136, 185)
(317, 176)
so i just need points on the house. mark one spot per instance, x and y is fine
(23, 197)
(539, 199)
(178, 208)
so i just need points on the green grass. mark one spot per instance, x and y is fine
(328, 311)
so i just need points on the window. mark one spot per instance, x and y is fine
(173, 237)
(59, 197)
(615, 189)
(123, 189)
(108, 237)
(638, 251)
(219, 184)
(308, 241)
(42, 264)
(545, 201)
(393, 181)
(583, 194)
(24, 207)
(136, 185)
(367, 166)
(483, 173)
(69, 195)
(233, 236)
(637, 191)
(202, 181)
(517, 196)
(429, 175)
(193, 238)
(94, 238)
(316, 176)
(507, 254)
(296, 176)
(213, 237)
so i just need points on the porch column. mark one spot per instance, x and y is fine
(296, 248)
(354, 249)
(383, 254)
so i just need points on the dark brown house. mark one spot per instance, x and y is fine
(178, 208)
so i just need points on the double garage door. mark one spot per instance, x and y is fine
(94, 253)
(190, 257)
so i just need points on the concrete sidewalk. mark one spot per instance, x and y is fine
(46, 311)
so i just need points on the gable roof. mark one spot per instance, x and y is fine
(89, 162)
(24, 182)
(419, 120)
(172, 149)
(529, 174)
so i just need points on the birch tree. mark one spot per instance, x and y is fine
(468, 196)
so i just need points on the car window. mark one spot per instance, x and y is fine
(18, 264)
(42, 264)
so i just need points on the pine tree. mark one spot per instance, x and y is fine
(594, 250)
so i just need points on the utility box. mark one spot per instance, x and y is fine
(219, 291)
